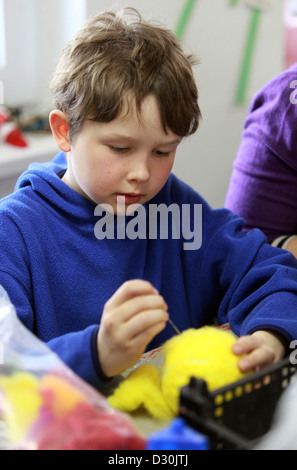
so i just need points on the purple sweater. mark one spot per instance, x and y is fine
(263, 186)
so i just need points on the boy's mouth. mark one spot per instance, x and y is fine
(130, 198)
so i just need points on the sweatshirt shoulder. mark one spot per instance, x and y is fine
(16, 208)
(177, 191)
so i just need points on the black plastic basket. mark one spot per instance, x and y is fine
(236, 416)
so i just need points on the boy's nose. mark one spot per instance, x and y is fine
(139, 170)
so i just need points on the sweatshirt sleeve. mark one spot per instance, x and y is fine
(258, 283)
(77, 349)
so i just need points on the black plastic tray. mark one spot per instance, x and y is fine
(236, 416)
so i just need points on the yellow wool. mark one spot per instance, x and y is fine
(65, 397)
(21, 405)
(142, 389)
(204, 353)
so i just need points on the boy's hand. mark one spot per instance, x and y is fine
(131, 318)
(261, 349)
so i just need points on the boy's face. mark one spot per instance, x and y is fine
(128, 159)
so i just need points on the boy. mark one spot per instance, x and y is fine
(126, 97)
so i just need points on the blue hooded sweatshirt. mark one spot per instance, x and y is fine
(59, 273)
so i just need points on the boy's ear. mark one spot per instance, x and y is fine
(60, 129)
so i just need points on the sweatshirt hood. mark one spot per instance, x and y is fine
(45, 180)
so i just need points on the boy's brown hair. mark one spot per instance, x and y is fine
(115, 54)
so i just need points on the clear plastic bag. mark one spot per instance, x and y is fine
(44, 405)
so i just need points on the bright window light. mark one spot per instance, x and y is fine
(74, 14)
(293, 7)
(290, 14)
(2, 36)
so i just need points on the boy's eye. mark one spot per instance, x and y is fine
(119, 149)
(158, 153)
(162, 154)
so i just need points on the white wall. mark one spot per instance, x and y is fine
(35, 33)
(21, 31)
(58, 22)
(217, 32)
(209, 155)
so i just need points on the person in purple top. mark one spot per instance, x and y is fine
(263, 184)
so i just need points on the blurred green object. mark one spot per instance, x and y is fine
(184, 18)
(248, 56)
(249, 47)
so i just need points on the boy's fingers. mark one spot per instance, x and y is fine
(147, 320)
(141, 304)
(246, 344)
(147, 335)
(258, 359)
(129, 290)
(256, 354)
(136, 315)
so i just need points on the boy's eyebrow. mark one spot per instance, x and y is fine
(173, 142)
(128, 137)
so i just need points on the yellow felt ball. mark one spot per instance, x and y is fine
(21, 403)
(204, 353)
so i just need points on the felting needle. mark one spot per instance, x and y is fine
(173, 326)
